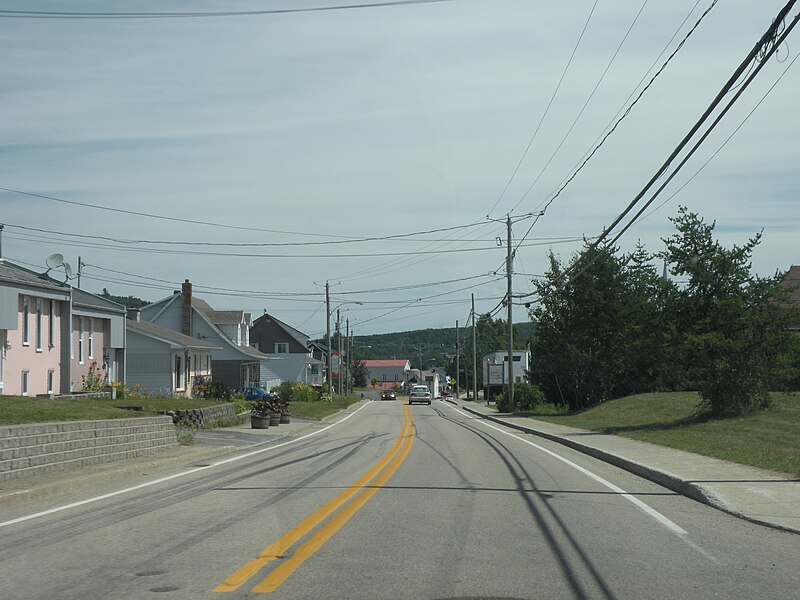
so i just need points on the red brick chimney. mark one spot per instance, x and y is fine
(186, 308)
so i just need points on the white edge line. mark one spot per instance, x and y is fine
(176, 476)
(653, 513)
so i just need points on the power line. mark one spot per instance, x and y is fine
(630, 107)
(32, 14)
(766, 39)
(725, 143)
(764, 48)
(716, 121)
(583, 108)
(344, 240)
(286, 255)
(546, 110)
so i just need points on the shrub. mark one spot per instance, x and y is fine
(284, 390)
(94, 380)
(303, 393)
(241, 403)
(526, 397)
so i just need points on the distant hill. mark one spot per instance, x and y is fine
(437, 346)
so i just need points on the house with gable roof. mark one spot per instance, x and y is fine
(389, 373)
(52, 335)
(98, 338)
(161, 360)
(290, 348)
(235, 363)
(34, 332)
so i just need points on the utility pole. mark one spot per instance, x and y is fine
(347, 386)
(509, 271)
(328, 336)
(474, 354)
(457, 367)
(339, 341)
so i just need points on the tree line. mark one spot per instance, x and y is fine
(608, 324)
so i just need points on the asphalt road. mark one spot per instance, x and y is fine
(393, 502)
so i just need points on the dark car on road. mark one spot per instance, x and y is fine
(254, 393)
(389, 395)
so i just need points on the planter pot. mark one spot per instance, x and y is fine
(275, 419)
(285, 418)
(257, 422)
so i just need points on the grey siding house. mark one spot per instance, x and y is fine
(161, 360)
(235, 362)
(289, 348)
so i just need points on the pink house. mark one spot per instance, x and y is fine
(32, 327)
(51, 334)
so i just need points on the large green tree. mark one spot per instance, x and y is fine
(734, 322)
(600, 331)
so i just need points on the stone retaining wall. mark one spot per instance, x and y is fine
(210, 416)
(45, 447)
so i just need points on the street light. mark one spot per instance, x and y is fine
(330, 310)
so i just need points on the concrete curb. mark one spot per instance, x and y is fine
(668, 480)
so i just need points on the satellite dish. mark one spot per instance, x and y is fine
(54, 260)
(68, 271)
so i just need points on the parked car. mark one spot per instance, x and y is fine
(419, 393)
(254, 393)
(389, 395)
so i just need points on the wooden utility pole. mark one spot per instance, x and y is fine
(474, 354)
(509, 304)
(457, 361)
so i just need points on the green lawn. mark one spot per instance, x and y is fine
(320, 410)
(767, 439)
(16, 410)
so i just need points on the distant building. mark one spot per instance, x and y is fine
(389, 373)
(495, 366)
(233, 360)
(289, 348)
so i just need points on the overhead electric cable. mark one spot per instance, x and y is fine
(33, 14)
(345, 239)
(583, 108)
(711, 127)
(546, 110)
(293, 256)
(630, 107)
(766, 39)
(725, 143)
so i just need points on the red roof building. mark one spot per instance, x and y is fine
(387, 372)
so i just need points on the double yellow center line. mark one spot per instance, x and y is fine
(359, 493)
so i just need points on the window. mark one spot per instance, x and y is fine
(26, 313)
(282, 348)
(25, 378)
(38, 324)
(51, 325)
(51, 375)
(91, 338)
(179, 374)
(80, 340)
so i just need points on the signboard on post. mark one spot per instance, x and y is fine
(496, 374)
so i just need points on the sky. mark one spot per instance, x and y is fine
(380, 149)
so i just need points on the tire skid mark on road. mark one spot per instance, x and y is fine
(177, 475)
(646, 508)
(359, 492)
